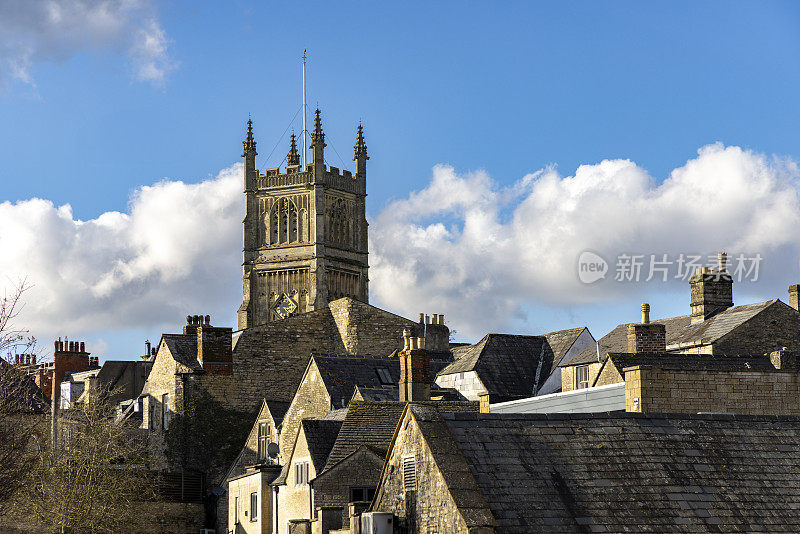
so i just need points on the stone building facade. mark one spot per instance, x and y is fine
(305, 233)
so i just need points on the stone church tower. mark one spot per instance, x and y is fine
(305, 232)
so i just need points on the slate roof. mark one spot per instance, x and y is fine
(690, 362)
(342, 373)
(680, 332)
(377, 394)
(513, 366)
(622, 472)
(320, 436)
(368, 423)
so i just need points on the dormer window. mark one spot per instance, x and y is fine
(384, 376)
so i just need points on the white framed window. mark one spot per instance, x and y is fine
(409, 473)
(254, 506)
(581, 376)
(301, 473)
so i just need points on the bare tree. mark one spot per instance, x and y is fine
(23, 407)
(97, 479)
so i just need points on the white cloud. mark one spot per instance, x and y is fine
(32, 32)
(482, 253)
(177, 251)
(464, 246)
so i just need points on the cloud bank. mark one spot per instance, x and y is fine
(53, 31)
(481, 253)
(484, 253)
(177, 251)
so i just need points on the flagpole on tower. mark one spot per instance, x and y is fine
(305, 150)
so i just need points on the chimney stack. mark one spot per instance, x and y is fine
(214, 346)
(711, 290)
(794, 296)
(647, 336)
(415, 384)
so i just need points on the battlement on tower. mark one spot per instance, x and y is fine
(333, 177)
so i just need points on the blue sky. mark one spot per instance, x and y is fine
(506, 88)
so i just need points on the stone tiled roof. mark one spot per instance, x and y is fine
(368, 424)
(277, 410)
(183, 349)
(513, 366)
(560, 342)
(688, 362)
(718, 325)
(377, 394)
(621, 472)
(320, 436)
(680, 332)
(341, 374)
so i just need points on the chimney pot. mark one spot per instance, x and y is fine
(645, 313)
(421, 318)
(722, 261)
(188, 319)
(83, 346)
(208, 319)
(441, 318)
(56, 345)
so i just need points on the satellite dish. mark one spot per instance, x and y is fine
(273, 450)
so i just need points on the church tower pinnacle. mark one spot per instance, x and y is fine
(305, 232)
(293, 158)
(360, 152)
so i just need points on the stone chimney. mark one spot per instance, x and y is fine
(415, 360)
(794, 296)
(435, 333)
(214, 344)
(711, 290)
(647, 336)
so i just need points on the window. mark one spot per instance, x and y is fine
(236, 511)
(301, 473)
(362, 494)
(409, 473)
(581, 377)
(384, 376)
(165, 411)
(263, 440)
(253, 506)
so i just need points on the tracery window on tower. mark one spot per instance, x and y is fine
(285, 223)
(339, 223)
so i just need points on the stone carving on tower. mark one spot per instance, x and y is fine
(305, 232)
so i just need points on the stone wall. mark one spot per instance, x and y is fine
(429, 509)
(310, 402)
(608, 375)
(241, 488)
(467, 383)
(691, 391)
(294, 501)
(568, 375)
(332, 488)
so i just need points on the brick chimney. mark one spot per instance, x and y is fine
(711, 290)
(647, 336)
(214, 344)
(415, 360)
